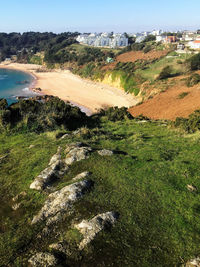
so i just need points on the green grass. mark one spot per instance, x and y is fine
(146, 182)
(154, 69)
(182, 95)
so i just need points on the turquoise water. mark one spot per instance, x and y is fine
(12, 84)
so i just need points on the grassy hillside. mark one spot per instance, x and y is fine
(145, 181)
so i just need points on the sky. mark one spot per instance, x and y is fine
(98, 15)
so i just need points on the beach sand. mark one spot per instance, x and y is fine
(88, 95)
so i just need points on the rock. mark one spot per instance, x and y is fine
(105, 152)
(20, 195)
(64, 136)
(73, 145)
(81, 176)
(76, 153)
(31, 146)
(60, 246)
(89, 229)
(191, 188)
(43, 259)
(194, 262)
(50, 173)
(2, 158)
(16, 206)
(61, 201)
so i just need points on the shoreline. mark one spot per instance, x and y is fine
(88, 95)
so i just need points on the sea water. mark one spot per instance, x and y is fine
(14, 83)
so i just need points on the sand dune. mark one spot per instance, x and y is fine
(67, 86)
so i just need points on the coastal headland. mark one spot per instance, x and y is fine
(90, 96)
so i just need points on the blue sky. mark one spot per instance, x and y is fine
(98, 15)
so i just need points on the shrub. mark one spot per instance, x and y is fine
(147, 49)
(193, 79)
(32, 115)
(190, 125)
(116, 114)
(165, 73)
(194, 62)
(182, 95)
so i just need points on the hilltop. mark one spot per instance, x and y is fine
(133, 182)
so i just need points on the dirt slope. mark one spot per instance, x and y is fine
(136, 55)
(168, 105)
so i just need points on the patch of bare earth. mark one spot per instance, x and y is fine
(168, 104)
(133, 56)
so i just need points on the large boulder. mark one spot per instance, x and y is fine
(89, 229)
(43, 259)
(61, 201)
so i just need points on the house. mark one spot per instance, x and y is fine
(170, 39)
(160, 38)
(194, 44)
(103, 40)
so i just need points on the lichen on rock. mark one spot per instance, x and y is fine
(61, 201)
(90, 228)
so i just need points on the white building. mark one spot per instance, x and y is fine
(156, 32)
(194, 44)
(103, 40)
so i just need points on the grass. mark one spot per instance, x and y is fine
(154, 69)
(182, 95)
(145, 181)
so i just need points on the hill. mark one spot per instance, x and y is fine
(141, 171)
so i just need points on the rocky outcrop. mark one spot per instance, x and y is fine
(52, 172)
(82, 175)
(43, 259)
(193, 263)
(76, 152)
(61, 201)
(89, 229)
(105, 152)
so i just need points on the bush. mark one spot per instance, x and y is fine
(193, 79)
(182, 95)
(32, 115)
(190, 125)
(194, 62)
(116, 114)
(165, 73)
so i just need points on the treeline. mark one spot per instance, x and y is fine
(32, 42)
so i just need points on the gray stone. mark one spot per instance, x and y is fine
(77, 152)
(89, 229)
(20, 195)
(194, 262)
(64, 136)
(105, 152)
(191, 188)
(16, 206)
(61, 201)
(43, 260)
(81, 176)
(48, 174)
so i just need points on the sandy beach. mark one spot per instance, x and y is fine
(89, 95)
